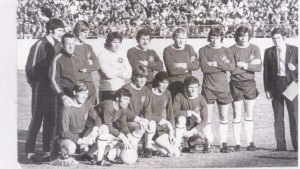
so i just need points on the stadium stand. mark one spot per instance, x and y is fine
(161, 16)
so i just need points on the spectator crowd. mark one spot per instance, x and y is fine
(161, 16)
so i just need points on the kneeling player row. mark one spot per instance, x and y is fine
(104, 130)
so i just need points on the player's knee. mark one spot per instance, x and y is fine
(151, 126)
(181, 122)
(67, 147)
(103, 129)
(138, 133)
(103, 133)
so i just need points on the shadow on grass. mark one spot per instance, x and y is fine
(279, 158)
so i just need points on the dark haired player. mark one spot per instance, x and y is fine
(242, 84)
(161, 111)
(43, 97)
(141, 55)
(115, 113)
(190, 109)
(215, 61)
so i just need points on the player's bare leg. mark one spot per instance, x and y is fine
(137, 135)
(223, 115)
(207, 128)
(249, 108)
(180, 129)
(164, 142)
(237, 116)
(148, 140)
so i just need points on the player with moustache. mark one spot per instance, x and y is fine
(180, 60)
(190, 109)
(74, 137)
(115, 114)
(215, 61)
(87, 60)
(243, 86)
(43, 97)
(141, 55)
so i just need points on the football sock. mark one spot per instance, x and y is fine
(249, 130)
(223, 132)
(101, 142)
(237, 132)
(208, 130)
(148, 140)
(179, 133)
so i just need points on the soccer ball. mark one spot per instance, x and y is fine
(129, 156)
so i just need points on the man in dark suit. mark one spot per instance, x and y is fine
(280, 69)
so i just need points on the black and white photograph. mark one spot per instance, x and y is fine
(155, 84)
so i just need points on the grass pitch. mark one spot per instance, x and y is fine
(263, 137)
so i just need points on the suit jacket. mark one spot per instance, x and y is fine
(271, 67)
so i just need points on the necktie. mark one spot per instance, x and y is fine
(281, 61)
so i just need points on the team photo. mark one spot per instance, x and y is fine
(157, 83)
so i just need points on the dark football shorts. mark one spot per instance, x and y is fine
(160, 130)
(243, 90)
(211, 96)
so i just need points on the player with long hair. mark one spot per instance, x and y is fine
(215, 61)
(87, 60)
(114, 67)
(161, 111)
(242, 84)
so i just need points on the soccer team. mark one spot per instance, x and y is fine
(165, 112)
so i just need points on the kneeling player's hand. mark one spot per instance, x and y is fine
(172, 138)
(190, 133)
(126, 141)
(144, 124)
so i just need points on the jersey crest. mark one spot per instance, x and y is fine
(143, 98)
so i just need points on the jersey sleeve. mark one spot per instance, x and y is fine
(255, 67)
(170, 112)
(227, 66)
(31, 62)
(203, 114)
(177, 106)
(55, 76)
(95, 65)
(108, 120)
(193, 63)
(203, 63)
(157, 64)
